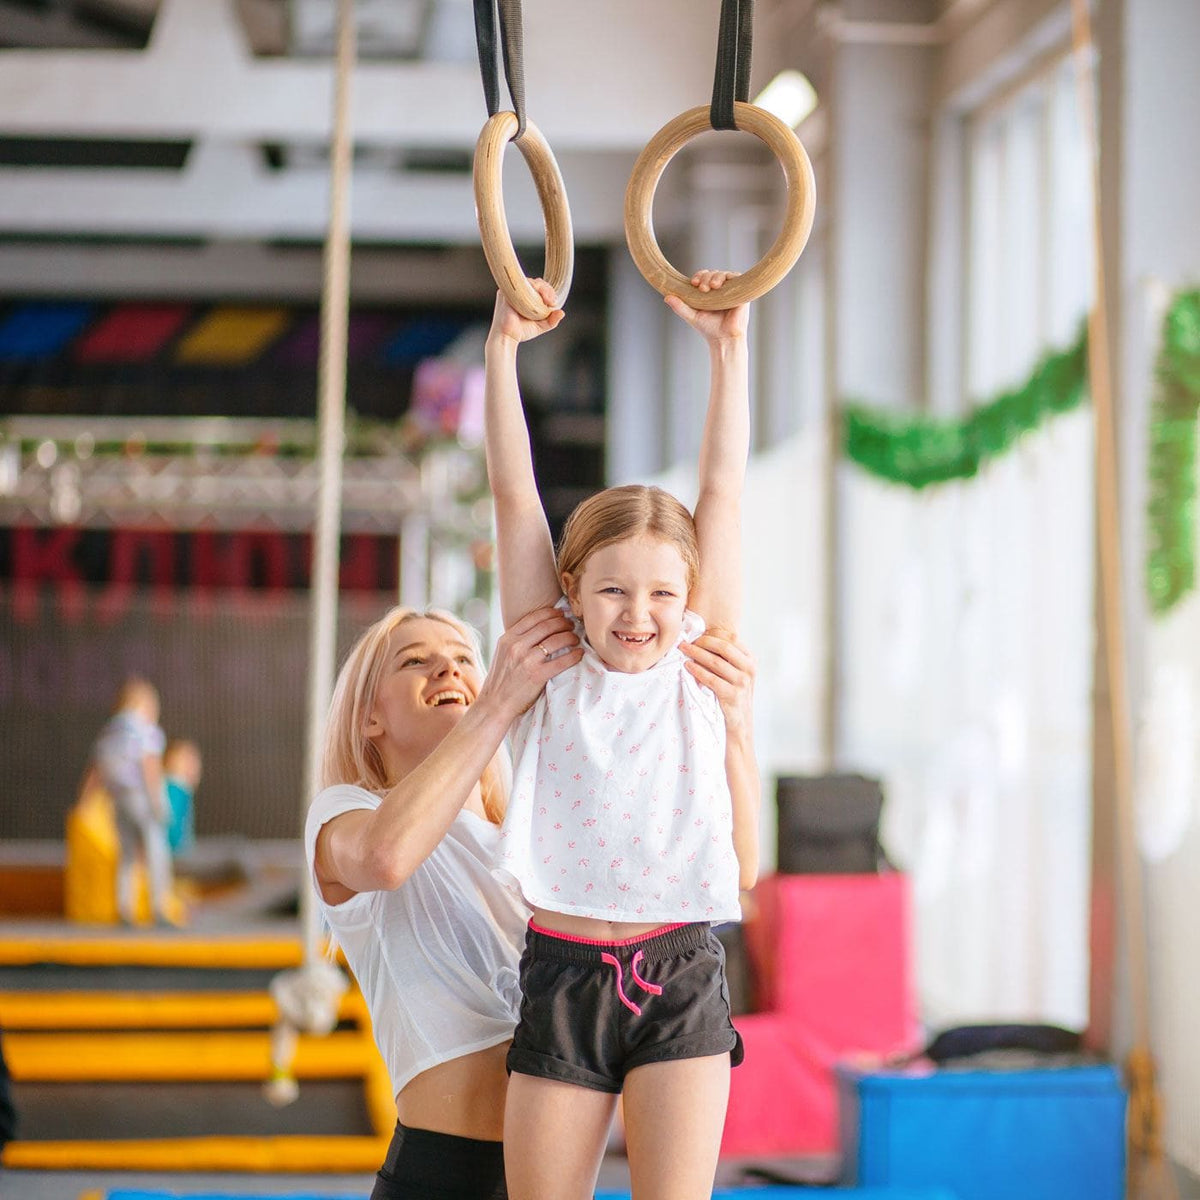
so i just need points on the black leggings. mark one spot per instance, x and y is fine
(422, 1165)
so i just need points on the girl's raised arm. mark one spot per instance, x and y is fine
(525, 551)
(724, 448)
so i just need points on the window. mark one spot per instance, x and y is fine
(1029, 229)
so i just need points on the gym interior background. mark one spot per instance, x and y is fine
(923, 615)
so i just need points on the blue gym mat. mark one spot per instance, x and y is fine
(764, 1193)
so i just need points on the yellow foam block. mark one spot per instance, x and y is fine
(307, 1155)
(167, 950)
(147, 1010)
(109, 1057)
(90, 877)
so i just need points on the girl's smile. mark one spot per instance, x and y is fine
(631, 596)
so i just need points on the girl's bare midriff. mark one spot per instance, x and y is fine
(463, 1097)
(592, 928)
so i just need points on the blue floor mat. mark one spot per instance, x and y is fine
(764, 1193)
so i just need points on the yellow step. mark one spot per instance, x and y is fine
(170, 949)
(192, 1057)
(147, 1010)
(308, 1155)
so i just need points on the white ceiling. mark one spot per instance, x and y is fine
(600, 80)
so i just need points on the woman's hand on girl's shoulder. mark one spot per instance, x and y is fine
(723, 665)
(537, 647)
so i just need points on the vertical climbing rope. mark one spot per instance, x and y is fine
(331, 433)
(308, 997)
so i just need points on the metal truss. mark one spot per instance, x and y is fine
(224, 474)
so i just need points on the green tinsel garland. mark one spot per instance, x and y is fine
(1171, 562)
(917, 451)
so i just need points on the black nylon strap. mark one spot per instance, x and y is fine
(734, 45)
(511, 44)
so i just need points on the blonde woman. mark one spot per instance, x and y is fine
(400, 844)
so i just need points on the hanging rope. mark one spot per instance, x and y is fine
(308, 997)
(730, 109)
(513, 47)
(501, 128)
(1149, 1170)
(731, 81)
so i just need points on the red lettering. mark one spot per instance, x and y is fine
(129, 549)
(368, 563)
(265, 547)
(40, 557)
(358, 565)
(207, 571)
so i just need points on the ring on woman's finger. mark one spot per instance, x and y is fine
(545, 652)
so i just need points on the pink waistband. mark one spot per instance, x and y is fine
(641, 937)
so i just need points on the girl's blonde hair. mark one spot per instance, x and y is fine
(618, 513)
(348, 755)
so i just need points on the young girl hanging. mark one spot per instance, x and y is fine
(632, 821)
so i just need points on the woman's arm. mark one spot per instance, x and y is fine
(724, 448)
(367, 851)
(727, 668)
(525, 552)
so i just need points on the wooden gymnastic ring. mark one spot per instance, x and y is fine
(506, 268)
(778, 260)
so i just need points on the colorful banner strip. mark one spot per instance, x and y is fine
(39, 331)
(131, 333)
(232, 337)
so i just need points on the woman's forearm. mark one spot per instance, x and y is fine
(745, 789)
(381, 851)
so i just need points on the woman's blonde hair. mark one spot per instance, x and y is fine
(618, 513)
(348, 755)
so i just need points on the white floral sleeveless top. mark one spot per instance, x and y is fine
(620, 807)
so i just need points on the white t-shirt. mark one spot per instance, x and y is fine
(620, 806)
(436, 959)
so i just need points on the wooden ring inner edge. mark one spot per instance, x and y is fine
(779, 258)
(498, 248)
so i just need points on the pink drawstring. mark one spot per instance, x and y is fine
(625, 1000)
(645, 985)
(652, 988)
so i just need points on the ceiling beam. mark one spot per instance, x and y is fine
(54, 27)
(225, 191)
(598, 77)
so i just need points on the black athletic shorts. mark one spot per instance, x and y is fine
(423, 1165)
(592, 1011)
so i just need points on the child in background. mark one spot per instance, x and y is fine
(127, 758)
(181, 767)
(633, 816)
